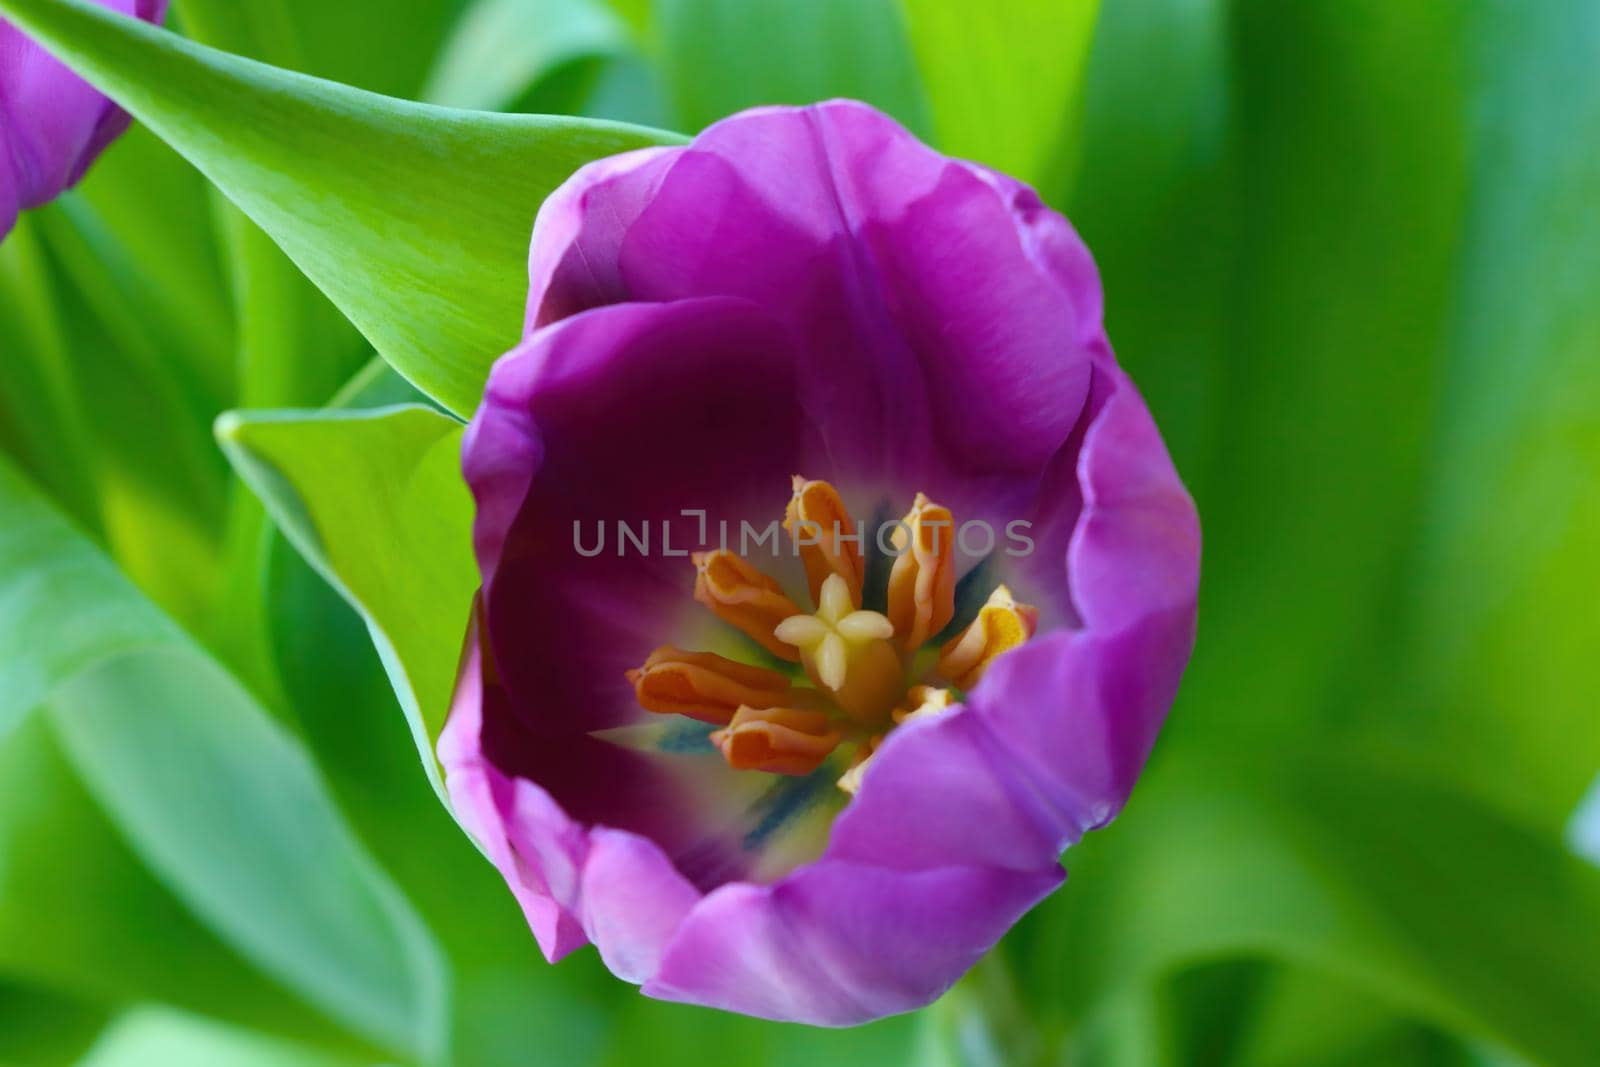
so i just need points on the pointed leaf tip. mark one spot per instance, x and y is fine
(414, 219)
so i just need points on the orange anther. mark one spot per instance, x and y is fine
(777, 740)
(704, 685)
(825, 538)
(744, 597)
(922, 582)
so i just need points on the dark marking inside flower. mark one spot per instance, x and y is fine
(875, 590)
(787, 800)
(972, 590)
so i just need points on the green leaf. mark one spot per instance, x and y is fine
(211, 793)
(1157, 200)
(40, 1026)
(721, 56)
(376, 502)
(43, 424)
(45, 569)
(1506, 626)
(148, 218)
(113, 934)
(1287, 305)
(374, 44)
(1414, 892)
(162, 486)
(1004, 78)
(648, 1031)
(1302, 1017)
(413, 219)
(500, 48)
(152, 1035)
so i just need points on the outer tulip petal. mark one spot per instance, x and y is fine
(634, 901)
(836, 944)
(931, 298)
(1055, 248)
(1136, 548)
(53, 124)
(1081, 708)
(572, 264)
(483, 800)
(1078, 711)
(10, 199)
(943, 791)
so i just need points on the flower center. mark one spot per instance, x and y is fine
(862, 666)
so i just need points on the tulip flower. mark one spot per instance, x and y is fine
(53, 124)
(835, 578)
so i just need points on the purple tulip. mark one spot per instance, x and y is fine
(53, 124)
(814, 782)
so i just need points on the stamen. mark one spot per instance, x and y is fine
(823, 535)
(704, 685)
(858, 660)
(921, 701)
(1002, 624)
(847, 652)
(744, 597)
(922, 582)
(850, 781)
(777, 740)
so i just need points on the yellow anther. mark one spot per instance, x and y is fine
(850, 780)
(922, 582)
(920, 702)
(777, 740)
(1002, 624)
(847, 652)
(704, 685)
(744, 597)
(823, 535)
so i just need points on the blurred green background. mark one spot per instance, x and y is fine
(1351, 253)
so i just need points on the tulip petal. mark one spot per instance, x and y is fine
(836, 943)
(572, 264)
(1136, 548)
(634, 900)
(941, 791)
(476, 787)
(53, 124)
(930, 296)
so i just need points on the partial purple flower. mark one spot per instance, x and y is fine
(53, 124)
(814, 783)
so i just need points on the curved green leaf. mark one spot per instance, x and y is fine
(375, 501)
(500, 48)
(152, 1035)
(210, 792)
(113, 934)
(228, 810)
(43, 424)
(720, 56)
(413, 219)
(39, 1026)
(1411, 891)
(1004, 77)
(43, 567)
(1506, 626)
